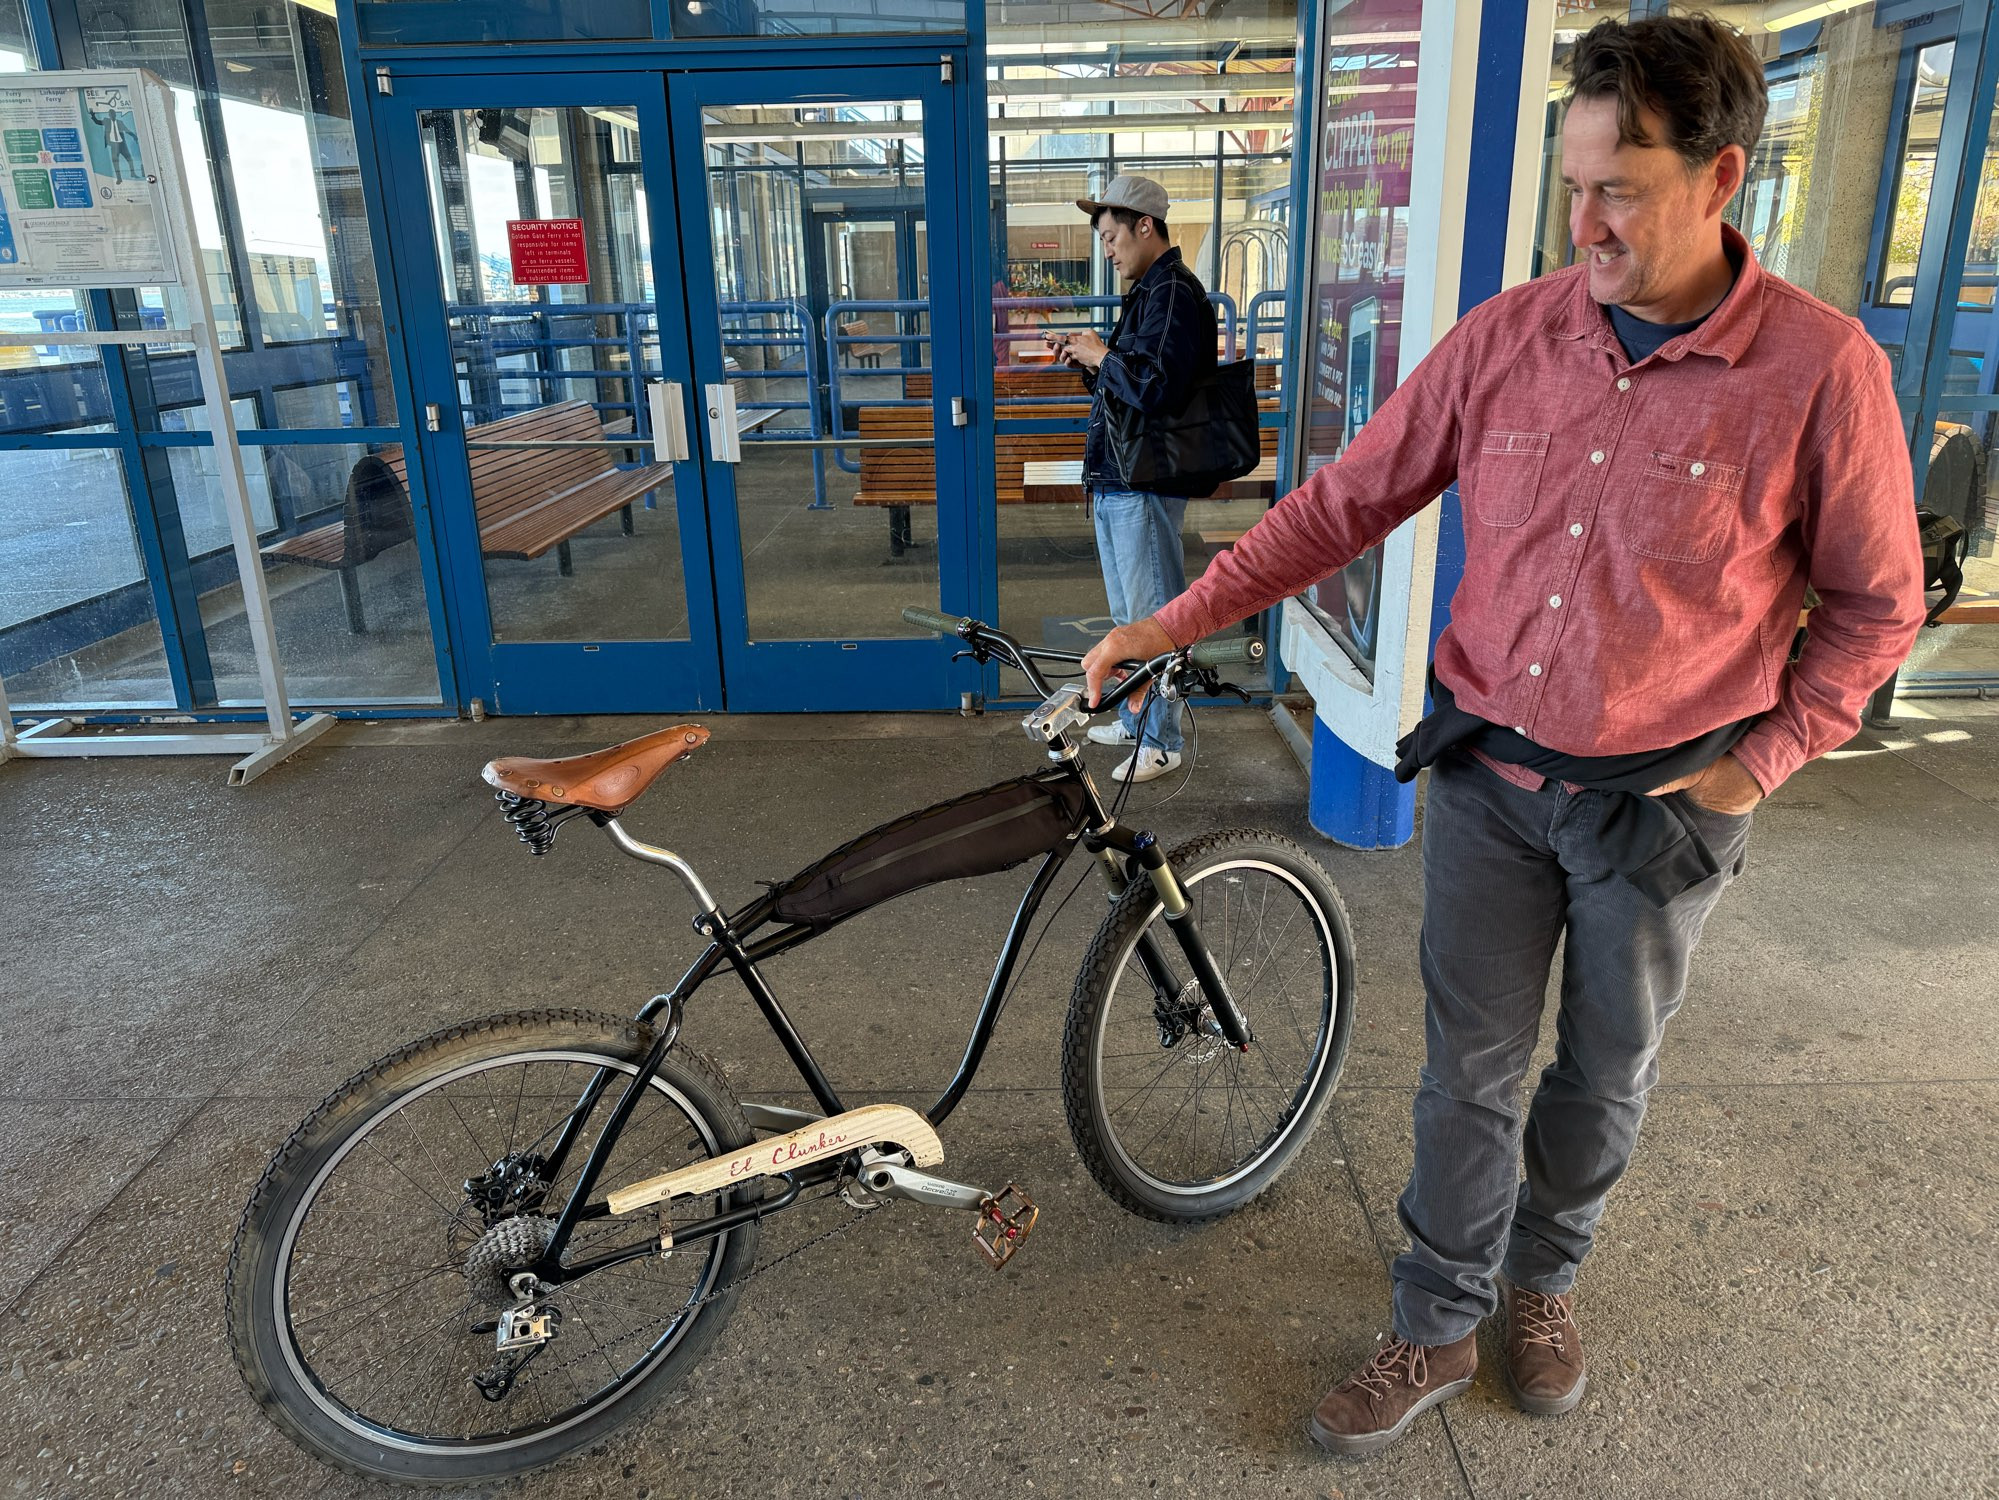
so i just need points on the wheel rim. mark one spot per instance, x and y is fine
(653, 1294)
(1199, 1117)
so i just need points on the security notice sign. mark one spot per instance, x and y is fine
(81, 199)
(548, 252)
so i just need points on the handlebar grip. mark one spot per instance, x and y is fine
(1226, 653)
(931, 619)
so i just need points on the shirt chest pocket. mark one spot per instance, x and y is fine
(1682, 508)
(1509, 477)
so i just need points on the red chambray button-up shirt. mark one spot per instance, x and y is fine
(1637, 537)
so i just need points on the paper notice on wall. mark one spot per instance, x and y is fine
(80, 201)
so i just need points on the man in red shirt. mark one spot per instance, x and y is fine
(1657, 449)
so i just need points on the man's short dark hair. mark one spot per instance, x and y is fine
(1698, 75)
(1129, 217)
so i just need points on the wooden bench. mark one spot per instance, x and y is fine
(527, 500)
(863, 354)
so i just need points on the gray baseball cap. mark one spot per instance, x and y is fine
(1139, 194)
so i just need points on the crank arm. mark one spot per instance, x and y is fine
(892, 1180)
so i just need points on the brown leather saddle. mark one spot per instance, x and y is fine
(604, 780)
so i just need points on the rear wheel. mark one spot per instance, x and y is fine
(373, 1262)
(1172, 1121)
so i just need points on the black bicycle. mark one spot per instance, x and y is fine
(493, 1246)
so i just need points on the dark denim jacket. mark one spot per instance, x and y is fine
(1163, 343)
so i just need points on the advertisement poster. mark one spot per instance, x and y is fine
(79, 201)
(1367, 127)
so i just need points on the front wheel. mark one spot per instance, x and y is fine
(375, 1259)
(1172, 1121)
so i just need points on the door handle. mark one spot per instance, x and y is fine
(669, 422)
(433, 417)
(725, 442)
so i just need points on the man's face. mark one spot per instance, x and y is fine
(1125, 248)
(1640, 219)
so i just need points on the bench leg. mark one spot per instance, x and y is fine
(625, 521)
(350, 585)
(899, 540)
(563, 565)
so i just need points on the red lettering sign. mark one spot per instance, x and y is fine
(1048, 244)
(548, 252)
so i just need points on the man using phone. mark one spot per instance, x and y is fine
(1162, 347)
(1658, 449)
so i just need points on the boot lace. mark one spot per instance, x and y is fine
(1396, 1362)
(1541, 1318)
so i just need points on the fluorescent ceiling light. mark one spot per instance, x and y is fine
(1176, 124)
(1151, 86)
(1785, 13)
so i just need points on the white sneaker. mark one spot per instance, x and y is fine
(1151, 765)
(1113, 733)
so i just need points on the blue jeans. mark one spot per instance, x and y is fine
(1138, 543)
(1506, 874)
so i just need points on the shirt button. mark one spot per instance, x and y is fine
(1554, 601)
(1596, 457)
(1576, 529)
(1535, 670)
(1519, 728)
(1624, 385)
(1697, 470)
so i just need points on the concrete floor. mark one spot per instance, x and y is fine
(1794, 1293)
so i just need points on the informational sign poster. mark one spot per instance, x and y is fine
(548, 252)
(80, 195)
(1367, 125)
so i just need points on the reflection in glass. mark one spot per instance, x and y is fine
(696, 18)
(577, 528)
(345, 579)
(835, 541)
(1361, 172)
(17, 48)
(1895, 284)
(1073, 101)
(77, 621)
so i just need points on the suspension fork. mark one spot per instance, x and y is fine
(1180, 922)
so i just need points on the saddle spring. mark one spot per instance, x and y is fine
(533, 824)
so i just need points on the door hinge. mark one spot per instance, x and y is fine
(433, 417)
(959, 416)
(949, 68)
(383, 84)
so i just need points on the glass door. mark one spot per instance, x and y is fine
(837, 480)
(534, 227)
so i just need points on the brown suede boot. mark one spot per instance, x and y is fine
(1544, 1352)
(1374, 1406)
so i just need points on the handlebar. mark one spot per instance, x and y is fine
(1247, 648)
(931, 620)
(984, 639)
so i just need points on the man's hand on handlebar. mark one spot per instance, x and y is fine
(1139, 641)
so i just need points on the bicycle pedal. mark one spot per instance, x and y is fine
(1005, 1220)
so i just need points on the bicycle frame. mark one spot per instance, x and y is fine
(1122, 854)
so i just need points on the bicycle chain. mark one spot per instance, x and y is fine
(702, 1301)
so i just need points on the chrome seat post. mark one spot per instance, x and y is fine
(657, 856)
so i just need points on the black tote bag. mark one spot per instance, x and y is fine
(1196, 450)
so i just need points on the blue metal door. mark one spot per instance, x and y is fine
(532, 225)
(676, 467)
(830, 353)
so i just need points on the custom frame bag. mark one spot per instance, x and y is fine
(978, 834)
